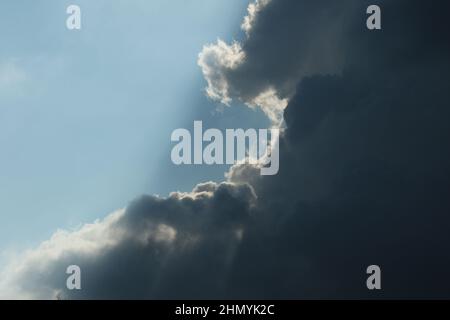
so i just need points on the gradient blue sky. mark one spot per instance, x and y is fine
(86, 116)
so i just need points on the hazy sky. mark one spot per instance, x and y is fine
(86, 116)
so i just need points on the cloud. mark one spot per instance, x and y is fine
(253, 10)
(364, 174)
(20, 278)
(364, 167)
(155, 239)
(275, 61)
(215, 61)
(271, 105)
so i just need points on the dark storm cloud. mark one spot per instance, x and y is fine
(365, 166)
(277, 58)
(364, 176)
(288, 40)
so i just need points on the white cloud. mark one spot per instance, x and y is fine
(216, 60)
(271, 105)
(89, 240)
(253, 10)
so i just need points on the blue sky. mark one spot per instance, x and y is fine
(86, 116)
